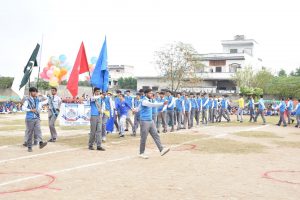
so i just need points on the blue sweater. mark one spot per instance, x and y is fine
(123, 108)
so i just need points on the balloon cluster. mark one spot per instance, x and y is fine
(56, 70)
(92, 64)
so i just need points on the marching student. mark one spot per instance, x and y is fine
(224, 109)
(297, 110)
(129, 100)
(97, 109)
(214, 109)
(199, 110)
(170, 109)
(54, 103)
(194, 108)
(210, 108)
(205, 101)
(282, 108)
(154, 111)
(123, 109)
(290, 106)
(33, 106)
(108, 113)
(148, 126)
(136, 121)
(161, 113)
(187, 111)
(250, 105)
(179, 110)
(261, 109)
(241, 105)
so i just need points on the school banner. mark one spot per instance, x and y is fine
(74, 114)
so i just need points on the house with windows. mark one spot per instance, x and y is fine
(219, 68)
(118, 71)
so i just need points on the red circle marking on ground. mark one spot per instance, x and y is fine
(184, 147)
(43, 186)
(268, 176)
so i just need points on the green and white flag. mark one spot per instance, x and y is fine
(22, 79)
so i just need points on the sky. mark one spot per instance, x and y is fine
(135, 29)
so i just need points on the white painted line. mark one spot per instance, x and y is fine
(38, 155)
(79, 167)
(4, 147)
(223, 134)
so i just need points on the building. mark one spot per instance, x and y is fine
(118, 71)
(219, 68)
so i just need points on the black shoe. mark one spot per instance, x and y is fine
(277, 124)
(293, 121)
(296, 126)
(122, 135)
(100, 149)
(35, 143)
(52, 140)
(25, 144)
(126, 129)
(43, 144)
(29, 149)
(91, 148)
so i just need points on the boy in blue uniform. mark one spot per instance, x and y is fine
(97, 109)
(108, 113)
(224, 109)
(260, 110)
(210, 108)
(179, 110)
(187, 111)
(215, 109)
(161, 113)
(297, 110)
(129, 100)
(250, 105)
(136, 105)
(282, 108)
(205, 106)
(290, 106)
(148, 126)
(199, 111)
(123, 109)
(194, 108)
(33, 107)
(170, 109)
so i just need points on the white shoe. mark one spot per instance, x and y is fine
(104, 139)
(144, 156)
(164, 151)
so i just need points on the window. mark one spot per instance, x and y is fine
(145, 87)
(218, 69)
(217, 62)
(233, 51)
(155, 88)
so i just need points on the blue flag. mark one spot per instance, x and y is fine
(100, 75)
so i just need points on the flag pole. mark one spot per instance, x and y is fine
(40, 62)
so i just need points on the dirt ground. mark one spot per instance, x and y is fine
(218, 161)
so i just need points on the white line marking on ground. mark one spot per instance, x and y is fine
(38, 155)
(80, 167)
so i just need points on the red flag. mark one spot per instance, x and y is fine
(80, 66)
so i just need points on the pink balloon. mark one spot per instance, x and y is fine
(49, 73)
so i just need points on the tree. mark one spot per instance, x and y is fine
(6, 82)
(262, 78)
(44, 85)
(284, 86)
(244, 77)
(178, 65)
(282, 72)
(296, 73)
(127, 83)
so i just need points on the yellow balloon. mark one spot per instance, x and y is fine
(53, 83)
(56, 72)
